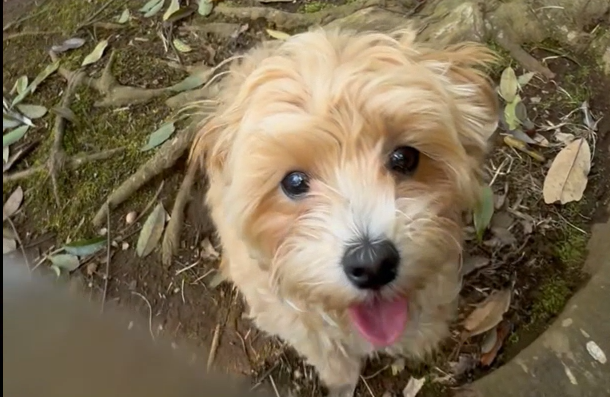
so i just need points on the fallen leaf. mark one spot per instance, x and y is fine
(500, 333)
(522, 146)
(522, 136)
(397, 366)
(205, 7)
(159, 136)
(174, 6)
(70, 44)
(64, 112)
(180, 14)
(195, 80)
(488, 313)
(413, 387)
(124, 17)
(218, 279)
(508, 85)
(14, 135)
(525, 78)
(208, 251)
(181, 46)
(563, 137)
(6, 153)
(483, 211)
(65, 261)
(8, 245)
(472, 263)
(276, 34)
(151, 231)
(596, 352)
(568, 176)
(49, 70)
(8, 123)
(85, 247)
(91, 268)
(151, 4)
(21, 84)
(8, 233)
(96, 54)
(510, 113)
(489, 340)
(56, 269)
(12, 203)
(32, 111)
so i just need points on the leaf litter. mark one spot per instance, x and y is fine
(483, 211)
(174, 6)
(567, 177)
(88, 247)
(488, 313)
(46, 72)
(161, 135)
(32, 111)
(13, 203)
(66, 262)
(96, 54)
(14, 135)
(151, 231)
(413, 387)
(205, 7)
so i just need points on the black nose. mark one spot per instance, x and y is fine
(371, 265)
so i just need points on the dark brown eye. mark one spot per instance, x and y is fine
(404, 160)
(295, 184)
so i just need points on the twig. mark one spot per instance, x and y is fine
(72, 163)
(367, 386)
(149, 313)
(20, 242)
(214, 346)
(30, 33)
(277, 393)
(89, 20)
(107, 275)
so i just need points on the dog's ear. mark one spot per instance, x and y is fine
(210, 147)
(463, 67)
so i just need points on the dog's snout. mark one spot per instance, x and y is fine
(371, 265)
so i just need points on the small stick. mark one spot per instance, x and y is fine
(152, 335)
(274, 387)
(214, 347)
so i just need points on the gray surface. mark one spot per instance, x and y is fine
(558, 363)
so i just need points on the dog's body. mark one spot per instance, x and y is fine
(340, 164)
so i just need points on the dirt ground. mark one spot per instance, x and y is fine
(541, 262)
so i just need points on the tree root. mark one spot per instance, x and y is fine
(527, 61)
(294, 21)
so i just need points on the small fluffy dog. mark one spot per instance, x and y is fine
(340, 164)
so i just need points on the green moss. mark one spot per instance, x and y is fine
(551, 299)
(315, 6)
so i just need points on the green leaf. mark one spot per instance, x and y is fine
(20, 85)
(56, 270)
(12, 203)
(181, 46)
(8, 123)
(525, 78)
(32, 111)
(193, 81)
(205, 7)
(151, 231)
(96, 54)
(150, 5)
(483, 211)
(65, 261)
(174, 6)
(124, 17)
(276, 34)
(49, 70)
(86, 247)
(510, 113)
(155, 9)
(508, 85)
(14, 135)
(159, 136)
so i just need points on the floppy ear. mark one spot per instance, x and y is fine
(461, 66)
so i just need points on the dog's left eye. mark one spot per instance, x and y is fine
(404, 160)
(295, 184)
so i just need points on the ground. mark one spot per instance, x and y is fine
(541, 262)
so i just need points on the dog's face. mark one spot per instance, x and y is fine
(347, 160)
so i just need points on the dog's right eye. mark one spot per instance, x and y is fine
(295, 184)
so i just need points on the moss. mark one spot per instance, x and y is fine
(552, 297)
(315, 6)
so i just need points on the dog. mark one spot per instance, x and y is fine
(340, 164)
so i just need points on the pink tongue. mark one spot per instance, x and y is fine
(381, 322)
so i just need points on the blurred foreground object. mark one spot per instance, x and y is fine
(57, 344)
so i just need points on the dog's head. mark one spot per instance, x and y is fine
(347, 160)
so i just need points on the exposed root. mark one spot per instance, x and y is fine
(171, 238)
(163, 159)
(523, 57)
(294, 21)
(71, 162)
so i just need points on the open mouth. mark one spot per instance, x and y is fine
(380, 320)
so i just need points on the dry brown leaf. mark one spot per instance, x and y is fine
(501, 332)
(488, 313)
(413, 387)
(568, 176)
